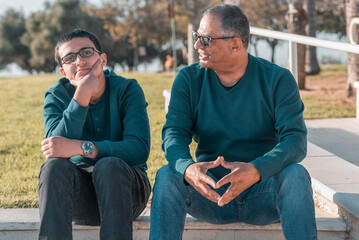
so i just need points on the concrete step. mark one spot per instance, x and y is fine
(16, 224)
(335, 184)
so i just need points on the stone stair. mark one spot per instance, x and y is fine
(20, 224)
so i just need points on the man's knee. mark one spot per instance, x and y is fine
(295, 172)
(167, 181)
(295, 177)
(165, 174)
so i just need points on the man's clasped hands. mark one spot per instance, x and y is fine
(242, 176)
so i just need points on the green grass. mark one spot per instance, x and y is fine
(21, 131)
(317, 107)
(330, 101)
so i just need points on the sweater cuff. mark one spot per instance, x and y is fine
(263, 169)
(77, 111)
(180, 166)
(104, 149)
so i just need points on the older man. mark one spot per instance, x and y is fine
(245, 113)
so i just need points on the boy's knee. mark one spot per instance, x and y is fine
(56, 168)
(109, 165)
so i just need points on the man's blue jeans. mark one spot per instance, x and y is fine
(286, 197)
(111, 196)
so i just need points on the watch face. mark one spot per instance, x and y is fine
(89, 146)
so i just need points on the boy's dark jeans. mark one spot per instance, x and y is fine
(111, 196)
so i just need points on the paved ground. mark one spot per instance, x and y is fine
(338, 136)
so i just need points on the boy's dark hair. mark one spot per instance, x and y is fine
(75, 33)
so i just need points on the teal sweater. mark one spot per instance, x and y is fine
(118, 123)
(259, 120)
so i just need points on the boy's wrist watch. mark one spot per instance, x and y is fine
(88, 148)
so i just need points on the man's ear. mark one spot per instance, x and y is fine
(104, 59)
(236, 44)
(62, 72)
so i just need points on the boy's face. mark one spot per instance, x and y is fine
(82, 65)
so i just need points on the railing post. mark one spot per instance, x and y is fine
(353, 22)
(356, 86)
(293, 65)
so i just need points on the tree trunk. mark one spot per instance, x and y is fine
(297, 19)
(193, 55)
(272, 43)
(254, 41)
(352, 10)
(194, 10)
(311, 61)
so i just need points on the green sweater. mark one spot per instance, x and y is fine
(259, 120)
(118, 123)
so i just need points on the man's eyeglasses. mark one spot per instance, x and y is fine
(84, 53)
(205, 40)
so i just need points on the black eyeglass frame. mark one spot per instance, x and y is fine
(196, 36)
(80, 53)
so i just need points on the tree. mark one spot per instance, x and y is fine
(297, 20)
(269, 14)
(352, 10)
(44, 28)
(12, 50)
(311, 61)
(194, 10)
(134, 25)
(331, 17)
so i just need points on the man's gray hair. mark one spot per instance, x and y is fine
(233, 21)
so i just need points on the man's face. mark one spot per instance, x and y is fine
(216, 55)
(82, 65)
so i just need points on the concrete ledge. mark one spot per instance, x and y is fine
(334, 178)
(18, 223)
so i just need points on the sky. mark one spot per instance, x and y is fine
(30, 6)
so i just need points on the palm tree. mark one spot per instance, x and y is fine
(297, 20)
(311, 61)
(194, 10)
(352, 10)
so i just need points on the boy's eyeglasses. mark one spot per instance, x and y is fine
(205, 40)
(84, 53)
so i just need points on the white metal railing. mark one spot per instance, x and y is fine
(294, 39)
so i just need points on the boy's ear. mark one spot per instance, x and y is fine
(62, 72)
(103, 56)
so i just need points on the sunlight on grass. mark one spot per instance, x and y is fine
(21, 129)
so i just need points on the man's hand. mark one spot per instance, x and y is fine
(61, 147)
(242, 176)
(196, 176)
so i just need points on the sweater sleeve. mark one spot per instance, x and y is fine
(177, 132)
(61, 119)
(134, 147)
(289, 123)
